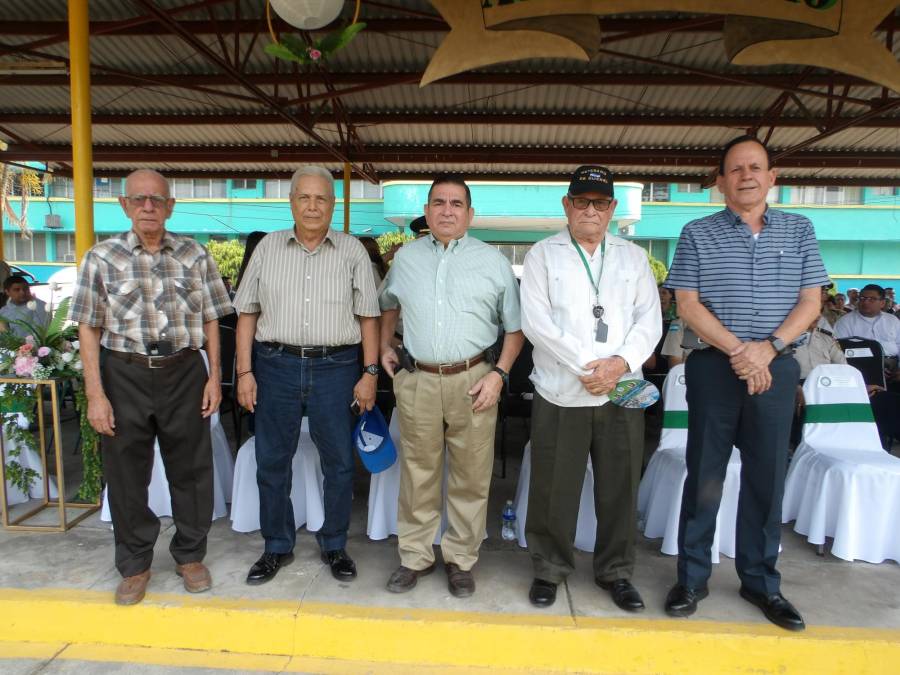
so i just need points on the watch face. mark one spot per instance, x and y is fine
(373, 369)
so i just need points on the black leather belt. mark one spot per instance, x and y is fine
(152, 362)
(313, 352)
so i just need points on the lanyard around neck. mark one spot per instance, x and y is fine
(587, 267)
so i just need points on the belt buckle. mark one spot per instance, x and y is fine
(154, 359)
(441, 367)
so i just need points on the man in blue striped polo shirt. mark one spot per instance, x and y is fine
(746, 281)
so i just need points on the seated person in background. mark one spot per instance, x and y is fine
(840, 304)
(870, 322)
(852, 298)
(22, 307)
(672, 343)
(820, 348)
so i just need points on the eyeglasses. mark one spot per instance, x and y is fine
(581, 203)
(137, 201)
(869, 298)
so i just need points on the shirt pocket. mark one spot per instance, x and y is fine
(790, 269)
(125, 300)
(188, 294)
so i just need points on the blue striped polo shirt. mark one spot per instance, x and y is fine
(750, 285)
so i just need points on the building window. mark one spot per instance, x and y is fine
(243, 184)
(514, 253)
(655, 192)
(65, 248)
(883, 195)
(24, 250)
(106, 188)
(825, 195)
(277, 189)
(198, 188)
(363, 189)
(690, 188)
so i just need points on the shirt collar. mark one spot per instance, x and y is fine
(454, 245)
(329, 237)
(736, 220)
(133, 242)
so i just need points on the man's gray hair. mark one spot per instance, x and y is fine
(311, 170)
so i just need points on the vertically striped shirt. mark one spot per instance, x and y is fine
(750, 285)
(306, 298)
(453, 300)
(139, 297)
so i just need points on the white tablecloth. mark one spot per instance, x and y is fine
(306, 486)
(158, 497)
(659, 494)
(841, 483)
(586, 530)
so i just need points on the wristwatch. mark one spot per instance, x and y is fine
(502, 373)
(778, 345)
(373, 369)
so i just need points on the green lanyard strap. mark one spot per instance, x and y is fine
(587, 267)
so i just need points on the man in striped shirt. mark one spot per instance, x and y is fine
(306, 301)
(747, 281)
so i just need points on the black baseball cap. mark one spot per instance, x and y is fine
(591, 178)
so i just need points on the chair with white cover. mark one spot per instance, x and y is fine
(586, 528)
(307, 493)
(659, 494)
(27, 459)
(159, 498)
(841, 483)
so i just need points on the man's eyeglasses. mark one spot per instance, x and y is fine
(581, 203)
(137, 201)
(869, 298)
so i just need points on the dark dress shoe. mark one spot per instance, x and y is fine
(776, 608)
(405, 579)
(683, 601)
(542, 593)
(623, 594)
(460, 583)
(267, 567)
(342, 566)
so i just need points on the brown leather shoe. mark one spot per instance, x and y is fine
(460, 582)
(196, 577)
(405, 579)
(131, 589)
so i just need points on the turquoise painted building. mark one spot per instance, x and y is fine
(858, 228)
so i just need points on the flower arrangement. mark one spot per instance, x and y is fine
(292, 48)
(45, 352)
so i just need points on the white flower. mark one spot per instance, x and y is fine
(77, 365)
(31, 304)
(76, 345)
(67, 356)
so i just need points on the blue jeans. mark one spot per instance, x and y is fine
(289, 388)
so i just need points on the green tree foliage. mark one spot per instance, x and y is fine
(659, 269)
(228, 256)
(388, 239)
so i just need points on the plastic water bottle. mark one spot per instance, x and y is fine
(508, 531)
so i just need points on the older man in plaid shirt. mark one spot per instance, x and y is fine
(146, 301)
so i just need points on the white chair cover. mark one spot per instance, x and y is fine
(384, 494)
(841, 483)
(586, 528)
(28, 459)
(659, 494)
(306, 486)
(159, 498)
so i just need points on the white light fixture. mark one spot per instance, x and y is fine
(308, 14)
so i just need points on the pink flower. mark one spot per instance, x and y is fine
(314, 54)
(26, 348)
(43, 351)
(25, 365)
(29, 339)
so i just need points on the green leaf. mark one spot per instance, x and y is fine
(295, 44)
(281, 52)
(347, 35)
(59, 317)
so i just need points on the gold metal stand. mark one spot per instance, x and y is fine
(60, 502)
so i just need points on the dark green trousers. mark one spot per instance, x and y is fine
(561, 441)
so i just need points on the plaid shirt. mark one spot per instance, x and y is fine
(139, 297)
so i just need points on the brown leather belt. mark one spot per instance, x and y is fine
(449, 368)
(152, 362)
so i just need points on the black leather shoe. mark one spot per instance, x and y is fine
(542, 593)
(460, 583)
(776, 608)
(683, 601)
(623, 594)
(267, 567)
(342, 566)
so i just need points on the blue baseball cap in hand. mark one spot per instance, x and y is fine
(373, 441)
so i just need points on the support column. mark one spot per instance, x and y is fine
(347, 197)
(82, 155)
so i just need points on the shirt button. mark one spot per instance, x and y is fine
(307, 277)
(307, 299)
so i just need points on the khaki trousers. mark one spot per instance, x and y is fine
(436, 410)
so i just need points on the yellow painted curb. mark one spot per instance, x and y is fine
(440, 638)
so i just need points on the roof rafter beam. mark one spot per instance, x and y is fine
(361, 119)
(449, 155)
(240, 78)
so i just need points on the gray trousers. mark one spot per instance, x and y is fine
(561, 441)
